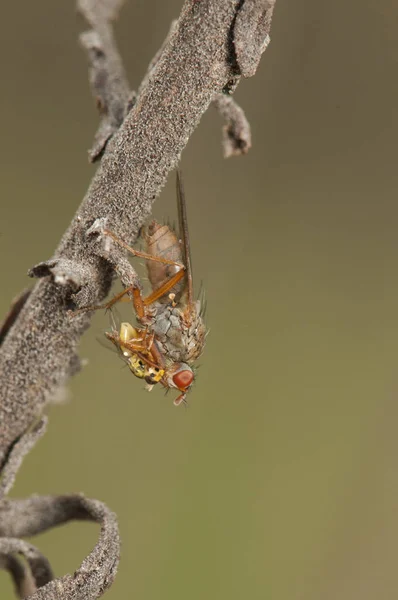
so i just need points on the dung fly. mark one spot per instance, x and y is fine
(170, 334)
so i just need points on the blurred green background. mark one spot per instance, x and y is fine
(280, 480)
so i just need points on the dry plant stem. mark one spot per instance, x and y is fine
(198, 61)
(21, 518)
(26, 581)
(16, 455)
(21, 576)
(236, 131)
(107, 76)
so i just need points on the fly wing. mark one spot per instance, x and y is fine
(184, 233)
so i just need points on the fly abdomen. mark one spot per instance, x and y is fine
(161, 241)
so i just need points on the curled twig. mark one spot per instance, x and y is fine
(21, 576)
(26, 581)
(21, 518)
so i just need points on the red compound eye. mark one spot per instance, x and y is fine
(183, 379)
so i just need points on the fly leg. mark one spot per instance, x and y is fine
(164, 288)
(140, 254)
(139, 302)
(142, 343)
(108, 305)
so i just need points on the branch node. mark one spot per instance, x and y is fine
(97, 227)
(67, 273)
(110, 251)
(64, 272)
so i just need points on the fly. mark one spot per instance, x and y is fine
(170, 335)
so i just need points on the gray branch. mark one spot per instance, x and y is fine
(26, 580)
(251, 34)
(16, 455)
(21, 518)
(139, 140)
(236, 131)
(107, 76)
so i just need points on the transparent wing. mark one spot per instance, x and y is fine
(184, 233)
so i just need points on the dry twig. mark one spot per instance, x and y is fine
(22, 518)
(139, 140)
(27, 579)
(107, 76)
